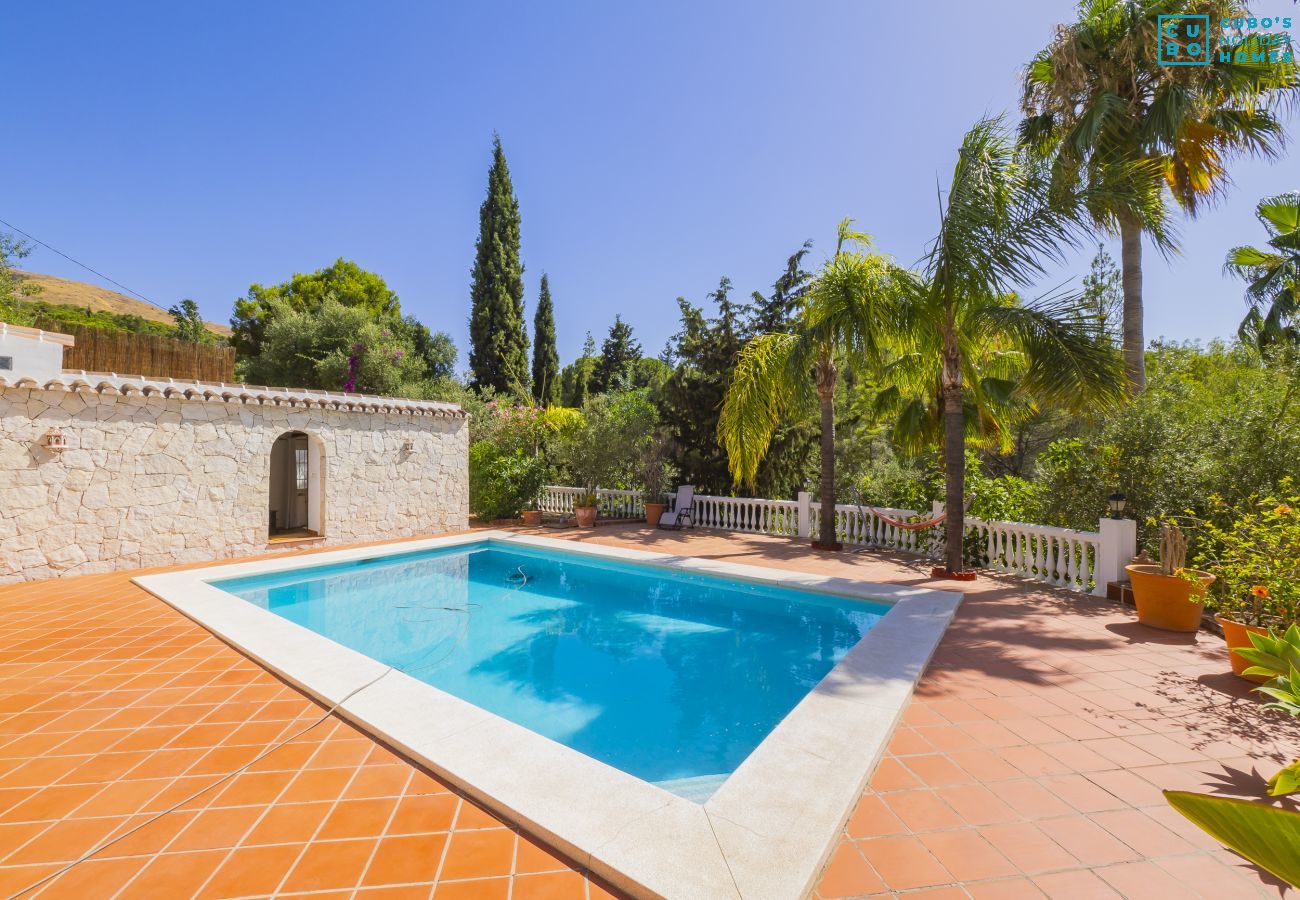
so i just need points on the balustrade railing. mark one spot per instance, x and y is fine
(1062, 557)
(864, 526)
(749, 514)
(1058, 556)
(612, 504)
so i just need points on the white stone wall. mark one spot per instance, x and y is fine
(154, 481)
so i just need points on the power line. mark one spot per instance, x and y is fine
(82, 264)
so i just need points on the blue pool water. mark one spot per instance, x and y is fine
(672, 677)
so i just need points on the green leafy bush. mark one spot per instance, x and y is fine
(502, 483)
(58, 317)
(608, 448)
(887, 479)
(1219, 421)
(335, 347)
(895, 481)
(1256, 559)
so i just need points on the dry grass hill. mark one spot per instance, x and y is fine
(63, 292)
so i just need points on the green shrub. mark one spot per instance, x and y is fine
(1256, 560)
(503, 483)
(608, 447)
(1217, 421)
(336, 348)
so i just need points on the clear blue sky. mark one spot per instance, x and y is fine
(187, 150)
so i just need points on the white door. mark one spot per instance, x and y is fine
(300, 482)
(315, 484)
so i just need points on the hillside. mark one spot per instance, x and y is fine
(62, 292)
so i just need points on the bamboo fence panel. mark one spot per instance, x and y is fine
(153, 356)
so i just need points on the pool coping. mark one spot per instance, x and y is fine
(765, 833)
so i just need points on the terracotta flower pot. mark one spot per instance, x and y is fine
(586, 516)
(948, 575)
(532, 517)
(1235, 635)
(1168, 602)
(653, 511)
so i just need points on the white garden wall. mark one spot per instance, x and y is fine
(156, 477)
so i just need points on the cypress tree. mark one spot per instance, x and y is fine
(498, 355)
(546, 358)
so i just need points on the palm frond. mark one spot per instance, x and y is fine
(770, 381)
(768, 384)
(1069, 360)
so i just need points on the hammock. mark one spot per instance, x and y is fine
(907, 526)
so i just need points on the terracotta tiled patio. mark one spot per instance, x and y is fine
(1029, 764)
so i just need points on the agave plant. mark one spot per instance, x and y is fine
(1277, 657)
(1266, 835)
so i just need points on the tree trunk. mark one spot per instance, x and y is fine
(1134, 342)
(825, 374)
(954, 454)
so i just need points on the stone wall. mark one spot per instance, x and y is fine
(152, 481)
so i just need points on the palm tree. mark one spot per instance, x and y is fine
(994, 404)
(1273, 274)
(964, 338)
(843, 318)
(1098, 101)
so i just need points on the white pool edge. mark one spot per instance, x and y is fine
(765, 833)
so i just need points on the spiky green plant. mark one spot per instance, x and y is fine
(1266, 835)
(1277, 657)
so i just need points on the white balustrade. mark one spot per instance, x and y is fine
(866, 526)
(613, 504)
(749, 514)
(1063, 557)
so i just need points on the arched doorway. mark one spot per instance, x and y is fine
(297, 474)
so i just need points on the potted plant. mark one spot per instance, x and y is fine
(655, 476)
(1169, 596)
(584, 507)
(654, 507)
(1257, 561)
(532, 511)
(1265, 834)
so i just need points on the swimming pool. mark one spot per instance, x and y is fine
(588, 696)
(672, 677)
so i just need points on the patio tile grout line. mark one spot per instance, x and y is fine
(307, 844)
(175, 808)
(113, 837)
(442, 859)
(388, 823)
(247, 831)
(71, 813)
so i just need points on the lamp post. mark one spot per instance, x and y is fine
(1116, 503)
(1118, 544)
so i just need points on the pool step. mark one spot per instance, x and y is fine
(696, 789)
